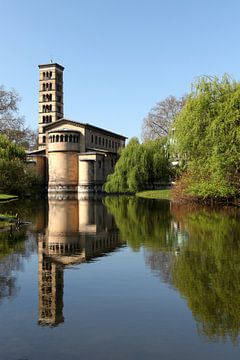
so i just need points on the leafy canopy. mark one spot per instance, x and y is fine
(207, 137)
(139, 166)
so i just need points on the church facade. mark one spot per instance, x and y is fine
(72, 156)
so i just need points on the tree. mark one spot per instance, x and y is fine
(207, 138)
(140, 166)
(15, 176)
(11, 124)
(160, 118)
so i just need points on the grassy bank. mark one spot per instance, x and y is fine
(7, 197)
(155, 194)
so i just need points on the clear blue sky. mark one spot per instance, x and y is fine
(120, 56)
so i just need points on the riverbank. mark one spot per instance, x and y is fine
(6, 197)
(164, 194)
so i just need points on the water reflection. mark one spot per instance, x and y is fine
(14, 246)
(74, 232)
(197, 251)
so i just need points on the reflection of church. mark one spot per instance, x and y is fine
(74, 232)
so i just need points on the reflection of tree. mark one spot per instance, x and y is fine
(143, 222)
(207, 271)
(160, 263)
(12, 249)
(196, 250)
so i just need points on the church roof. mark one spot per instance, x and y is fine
(55, 124)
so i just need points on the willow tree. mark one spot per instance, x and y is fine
(207, 138)
(140, 166)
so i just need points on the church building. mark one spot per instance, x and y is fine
(71, 156)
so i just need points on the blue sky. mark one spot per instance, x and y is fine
(120, 56)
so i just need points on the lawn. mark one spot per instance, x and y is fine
(7, 197)
(155, 194)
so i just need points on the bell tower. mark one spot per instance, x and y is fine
(50, 98)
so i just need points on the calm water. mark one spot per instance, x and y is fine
(120, 278)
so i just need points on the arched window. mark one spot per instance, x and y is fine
(43, 119)
(44, 87)
(66, 138)
(44, 75)
(50, 74)
(44, 98)
(44, 139)
(53, 138)
(61, 138)
(70, 138)
(50, 86)
(47, 74)
(50, 107)
(44, 108)
(50, 118)
(57, 138)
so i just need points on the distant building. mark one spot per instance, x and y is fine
(71, 156)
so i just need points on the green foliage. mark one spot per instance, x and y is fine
(139, 166)
(10, 151)
(15, 177)
(207, 138)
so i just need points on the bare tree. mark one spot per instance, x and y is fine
(11, 124)
(161, 116)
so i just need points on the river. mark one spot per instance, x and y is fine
(120, 278)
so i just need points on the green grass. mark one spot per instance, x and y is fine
(7, 197)
(155, 194)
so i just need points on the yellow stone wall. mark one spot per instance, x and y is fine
(63, 168)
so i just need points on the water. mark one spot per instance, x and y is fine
(120, 278)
